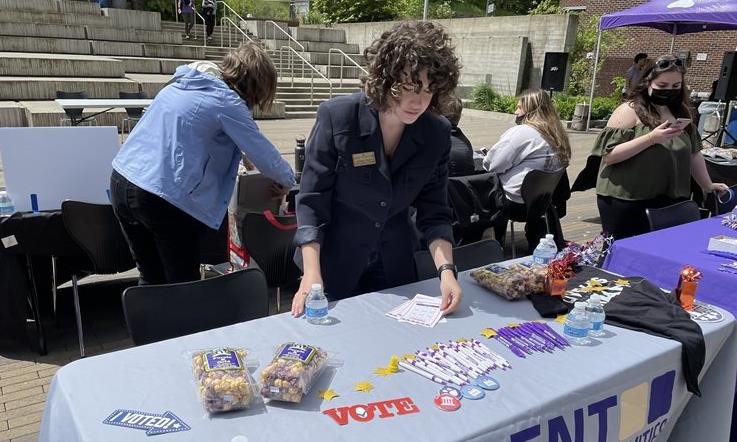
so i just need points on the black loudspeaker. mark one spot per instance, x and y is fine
(727, 86)
(554, 72)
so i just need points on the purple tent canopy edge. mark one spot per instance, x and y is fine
(677, 16)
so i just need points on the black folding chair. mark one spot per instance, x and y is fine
(673, 215)
(268, 239)
(466, 257)
(96, 230)
(157, 312)
(537, 193)
(74, 116)
(133, 113)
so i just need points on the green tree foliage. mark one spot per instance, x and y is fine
(546, 7)
(579, 82)
(165, 7)
(353, 11)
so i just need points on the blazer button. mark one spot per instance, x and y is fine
(382, 204)
(377, 225)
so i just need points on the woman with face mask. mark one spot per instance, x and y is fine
(647, 160)
(371, 156)
(538, 141)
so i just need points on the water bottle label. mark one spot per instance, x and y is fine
(575, 331)
(596, 326)
(297, 352)
(316, 312)
(541, 260)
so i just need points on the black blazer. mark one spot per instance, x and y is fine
(353, 201)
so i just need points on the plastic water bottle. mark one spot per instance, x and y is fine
(596, 315)
(576, 328)
(316, 307)
(7, 207)
(545, 251)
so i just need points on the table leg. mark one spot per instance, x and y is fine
(41, 338)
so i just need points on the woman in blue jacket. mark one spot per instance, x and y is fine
(174, 175)
(370, 157)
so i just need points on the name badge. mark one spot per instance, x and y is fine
(364, 159)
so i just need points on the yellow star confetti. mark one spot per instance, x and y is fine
(593, 282)
(364, 386)
(488, 333)
(383, 371)
(622, 283)
(434, 347)
(462, 340)
(560, 319)
(513, 325)
(393, 364)
(328, 394)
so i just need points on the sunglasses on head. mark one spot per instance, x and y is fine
(668, 62)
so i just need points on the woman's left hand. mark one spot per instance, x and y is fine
(721, 188)
(451, 293)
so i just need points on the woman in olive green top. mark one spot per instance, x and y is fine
(647, 162)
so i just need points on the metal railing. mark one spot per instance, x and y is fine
(232, 11)
(231, 24)
(273, 34)
(342, 63)
(292, 52)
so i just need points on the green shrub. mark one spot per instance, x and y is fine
(506, 104)
(602, 107)
(566, 104)
(483, 97)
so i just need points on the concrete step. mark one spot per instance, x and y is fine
(300, 114)
(56, 65)
(302, 33)
(47, 30)
(45, 45)
(312, 46)
(133, 35)
(285, 94)
(76, 46)
(141, 65)
(13, 114)
(320, 87)
(56, 18)
(49, 114)
(47, 6)
(44, 88)
(335, 58)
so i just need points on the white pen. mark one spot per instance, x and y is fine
(437, 371)
(424, 374)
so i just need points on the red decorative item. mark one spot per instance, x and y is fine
(687, 284)
(559, 271)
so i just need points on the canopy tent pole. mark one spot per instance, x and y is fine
(673, 38)
(593, 77)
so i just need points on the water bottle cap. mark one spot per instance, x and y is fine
(595, 298)
(549, 236)
(316, 286)
(580, 304)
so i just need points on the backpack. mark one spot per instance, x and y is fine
(478, 202)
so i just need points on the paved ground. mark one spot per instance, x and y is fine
(25, 376)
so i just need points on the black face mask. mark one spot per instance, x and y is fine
(665, 97)
(519, 119)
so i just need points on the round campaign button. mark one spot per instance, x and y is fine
(487, 383)
(472, 392)
(447, 402)
(451, 391)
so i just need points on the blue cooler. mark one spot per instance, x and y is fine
(731, 125)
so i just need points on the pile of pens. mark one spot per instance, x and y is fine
(458, 363)
(530, 337)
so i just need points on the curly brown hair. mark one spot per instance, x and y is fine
(249, 71)
(417, 46)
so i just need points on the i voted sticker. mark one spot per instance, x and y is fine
(472, 392)
(487, 383)
(447, 402)
(451, 391)
(152, 423)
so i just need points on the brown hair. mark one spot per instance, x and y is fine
(417, 46)
(453, 110)
(249, 71)
(640, 98)
(540, 114)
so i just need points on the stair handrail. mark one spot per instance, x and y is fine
(273, 34)
(231, 10)
(342, 63)
(204, 25)
(292, 53)
(231, 24)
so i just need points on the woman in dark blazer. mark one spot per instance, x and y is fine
(371, 156)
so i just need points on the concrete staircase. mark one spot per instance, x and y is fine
(50, 45)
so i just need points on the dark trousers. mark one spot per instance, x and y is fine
(209, 14)
(188, 23)
(622, 218)
(373, 278)
(164, 240)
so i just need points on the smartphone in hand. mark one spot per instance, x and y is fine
(680, 123)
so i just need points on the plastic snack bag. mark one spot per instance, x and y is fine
(515, 282)
(223, 380)
(292, 371)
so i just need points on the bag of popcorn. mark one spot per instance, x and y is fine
(292, 371)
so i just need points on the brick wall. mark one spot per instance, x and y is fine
(655, 43)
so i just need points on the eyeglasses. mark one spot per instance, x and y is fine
(668, 62)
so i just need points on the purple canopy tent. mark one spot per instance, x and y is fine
(672, 16)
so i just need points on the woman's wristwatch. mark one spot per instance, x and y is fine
(448, 266)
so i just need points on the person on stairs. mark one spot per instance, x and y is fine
(186, 9)
(208, 11)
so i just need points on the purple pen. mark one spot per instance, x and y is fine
(513, 348)
(531, 343)
(515, 341)
(554, 334)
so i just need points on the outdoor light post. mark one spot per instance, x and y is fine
(489, 8)
(424, 9)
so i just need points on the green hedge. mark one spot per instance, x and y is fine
(484, 98)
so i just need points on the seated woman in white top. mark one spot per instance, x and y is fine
(537, 142)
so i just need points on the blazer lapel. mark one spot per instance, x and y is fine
(368, 121)
(409, 145)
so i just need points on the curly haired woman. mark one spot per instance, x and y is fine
(371, 156)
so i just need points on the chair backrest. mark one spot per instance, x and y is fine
(721, 172)
(537, 191)
(673, 215)
(96, 230)
(157, 312)
(268, 239)
(73, 114)
(133, 112)
(469, 256)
